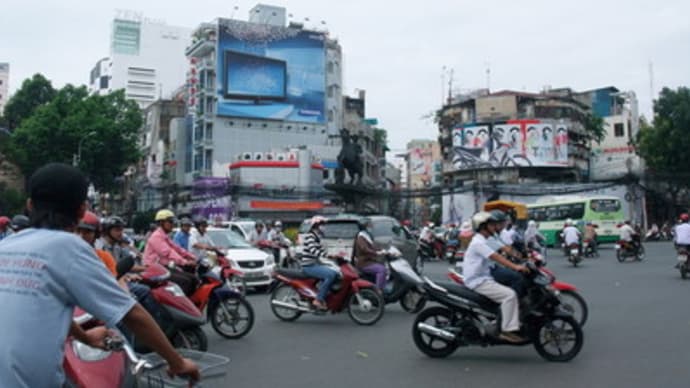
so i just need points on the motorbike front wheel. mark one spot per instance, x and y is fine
(237, 282)
(232, 317)
(436, 347)
(559, 339)
(619, 256)
(413, 301)
(366, 307)
(192, 338)
(640, 253)
(287, 294)
(575, 304)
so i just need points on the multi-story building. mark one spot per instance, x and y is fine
(4, 85)
(423, 167)
(147, 59)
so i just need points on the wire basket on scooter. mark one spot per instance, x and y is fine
(213, 368)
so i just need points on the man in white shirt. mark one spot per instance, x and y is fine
(199, 240)
(258, 234)
(508, 234)
(571, 235)
(626, 232)
(477, 274)
(683, 231)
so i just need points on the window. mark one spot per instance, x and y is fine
(383, 228)
(126, 37)
(605, 205)
(618, 130)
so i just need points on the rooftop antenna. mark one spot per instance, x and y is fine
(443, 83)
(651, 86)
(450, 85)
(488, 75)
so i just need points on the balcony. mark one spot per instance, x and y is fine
(208, 64)
(201, 48)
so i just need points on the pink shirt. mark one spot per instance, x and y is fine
(162, 250)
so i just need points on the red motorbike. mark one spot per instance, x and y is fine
(571, 300)
(231, 315)
(294, 293)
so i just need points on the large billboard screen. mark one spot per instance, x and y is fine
(271, 72)
(515, 143)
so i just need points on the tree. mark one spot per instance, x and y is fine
(664, 145)
(594, 125)
(35, 91)
(106, 127)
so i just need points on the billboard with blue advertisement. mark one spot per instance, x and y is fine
(270, 72)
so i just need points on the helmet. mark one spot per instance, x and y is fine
(480, 219)
(497, 216)
(685, 217)
(113, 222)
(430, 224)
(317, 220)
(569, 222)
(278, 224)
(363, 222)
(200, 220)
(164, 214)
(531, 223)
(20, 222)
(90, 221)
(186, 221)
(4, 221)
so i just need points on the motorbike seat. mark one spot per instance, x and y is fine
(292, 273)
(466, 293)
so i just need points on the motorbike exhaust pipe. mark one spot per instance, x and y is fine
(435, 331)
(290, 306)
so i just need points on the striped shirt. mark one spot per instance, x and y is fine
(312, 249)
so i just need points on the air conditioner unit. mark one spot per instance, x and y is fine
(258, 156)
(280, 156)
(247, 156)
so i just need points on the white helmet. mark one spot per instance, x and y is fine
(277, 224)
(480, 219)
(531, 223)
(569, 222)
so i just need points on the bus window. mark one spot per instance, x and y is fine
(605, 205)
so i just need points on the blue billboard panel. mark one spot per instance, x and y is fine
(269, 72)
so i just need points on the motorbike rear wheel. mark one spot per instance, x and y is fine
(232, 318)
(683, 271)
(285, 293)
(371, 308)
(192, 338)
(575, 304)
(441, 318)
(551, 335)
(413, 301)
(640, 253)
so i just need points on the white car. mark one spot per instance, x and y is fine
(256, 264)
(241, 227)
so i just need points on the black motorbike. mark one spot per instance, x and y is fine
(467, 318)
(683, 262)
(403, 284)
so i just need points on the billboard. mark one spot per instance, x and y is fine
(271, 72)
(515, 143)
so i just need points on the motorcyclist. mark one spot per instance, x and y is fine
(312, 254)
(5, 227)
(477, 274)
(571, 235)
(68, 274)
(258, 234)
(533, 239)
(162, 250)
(628, 235)
(278, 239)
(19, 223)
(504, 275)
(182, 236)
(367, 259)
(682, 238)
(200, 242)
(88, 229)
(590, 235)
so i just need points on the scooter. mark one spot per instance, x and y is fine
(633, 249)
(294, 292)
(683, 262)
(574, 254)
(403, 283)
(180, 319)
(466, 318)
(588, 249)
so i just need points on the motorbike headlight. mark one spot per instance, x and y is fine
(175, 290)
(87, 353)
(270, 260)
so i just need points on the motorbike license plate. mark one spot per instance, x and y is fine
(682, 258)
(574, 252)
(617, 246)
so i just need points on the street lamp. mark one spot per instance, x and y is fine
(76, 158)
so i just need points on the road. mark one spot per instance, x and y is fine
(638, 335)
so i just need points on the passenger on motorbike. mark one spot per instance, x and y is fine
(477, 274)
(182, 236)
(502, 274)
(60, 271)
(367, 259)
(311, 256)
(161, 249)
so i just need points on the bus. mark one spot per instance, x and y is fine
(551, 213)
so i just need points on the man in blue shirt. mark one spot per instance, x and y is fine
(45, 272)
(182, 236)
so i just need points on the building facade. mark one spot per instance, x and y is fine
(147, 59)
(4, 85)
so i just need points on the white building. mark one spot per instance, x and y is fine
(4, 85)
(147, 59)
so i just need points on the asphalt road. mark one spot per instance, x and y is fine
(637, 335)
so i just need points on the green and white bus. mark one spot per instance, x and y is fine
(551, 213)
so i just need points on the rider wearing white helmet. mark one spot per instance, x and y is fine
(311, 261)
(477, 273)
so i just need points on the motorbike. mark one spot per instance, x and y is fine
(229, 312)
(285, 253)
(574, 254)
(683, 263)
(425, 250)
(293, 293)
(625, 250)
(466, 318)
(180, 318)
(570, 298)
(403, 283)
(588, 249)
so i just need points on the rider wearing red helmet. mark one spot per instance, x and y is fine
(683, 230)
(4, 227)
(88, 229)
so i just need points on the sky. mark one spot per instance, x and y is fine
(396, 51)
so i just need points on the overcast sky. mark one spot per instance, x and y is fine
(396, 50)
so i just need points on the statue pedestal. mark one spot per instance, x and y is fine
(357, 198)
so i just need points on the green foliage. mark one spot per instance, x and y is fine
(106, 127)
(594, 125)
(381, 138)
(11, 201)
(35, 91)
(664, 145)
(142, 220)
(291, 233)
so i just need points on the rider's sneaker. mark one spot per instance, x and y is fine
(511, 337)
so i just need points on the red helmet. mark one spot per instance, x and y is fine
(90, 221)
(4, 221)
(684, 217)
